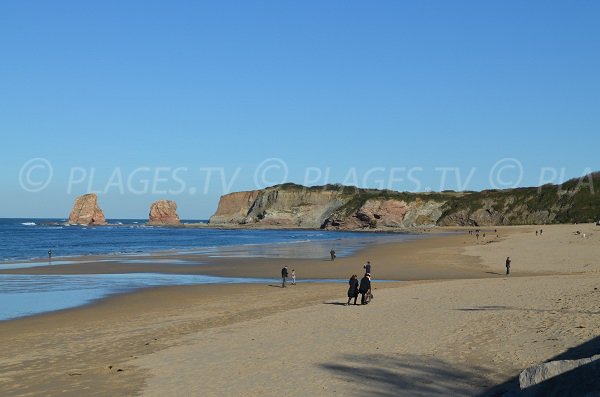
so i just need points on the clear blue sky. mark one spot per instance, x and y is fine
(344, 85)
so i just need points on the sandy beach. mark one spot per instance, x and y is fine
(454, 325)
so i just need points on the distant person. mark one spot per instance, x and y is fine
(364, 288)
(483, 235)
(508, 265)
(284, 276)
(293, 276)
(353, 289)
(332, 253)
(541, 231)
(477, 235)
(536, 232)
(50, 254)
(367, 267)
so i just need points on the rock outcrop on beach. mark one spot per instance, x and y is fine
(86, 211)
(351, 208)
(164, 213)
(562, 378)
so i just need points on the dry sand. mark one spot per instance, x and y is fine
(435, 338)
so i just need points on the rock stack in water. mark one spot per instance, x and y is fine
(163, 212)
(85, 211)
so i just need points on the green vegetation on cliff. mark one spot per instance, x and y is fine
(575, 201)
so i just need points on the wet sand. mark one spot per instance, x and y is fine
(440, 337)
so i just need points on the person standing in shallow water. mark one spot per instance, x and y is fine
(353, 289)
(49, 254)
(284, 275)
(508, 265)
(293, 276)
(332, 253)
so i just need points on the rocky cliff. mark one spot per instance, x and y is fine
(387, 213)
(349, 208)
(163, 212)
(285, 205)
(85, 211)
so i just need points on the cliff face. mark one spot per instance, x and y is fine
(331, 207)
(348, 208)
(85, 211)
(387, 213)
(285, 206)
(163, 212)
(234, 208)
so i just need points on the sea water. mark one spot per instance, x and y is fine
(23, 239)
(24, 243)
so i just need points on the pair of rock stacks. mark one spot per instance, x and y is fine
(86, 211)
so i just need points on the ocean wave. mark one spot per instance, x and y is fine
(28, 223)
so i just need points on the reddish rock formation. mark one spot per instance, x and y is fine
(163, 212)
(85, 211)
(388, 213)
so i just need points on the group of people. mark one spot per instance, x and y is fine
(285, 274)
(363, 287)
(477, 231)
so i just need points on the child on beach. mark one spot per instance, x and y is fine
(293, 276)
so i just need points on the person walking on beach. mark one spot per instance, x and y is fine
(293, 276)
(364, 288)
(353, 289)
(508, 265)
(332, 253)
(367, 267)
(284, 275)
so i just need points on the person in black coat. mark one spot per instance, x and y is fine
(353, 290)
(364, 288)
(284, 275)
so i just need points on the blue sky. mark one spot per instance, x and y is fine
(119, 95)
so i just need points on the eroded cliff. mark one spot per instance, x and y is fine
(349, 208)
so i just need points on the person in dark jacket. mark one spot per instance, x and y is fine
(508, 261)
(284, 275)
(353, 290)
(364, 288)
(367, 267)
